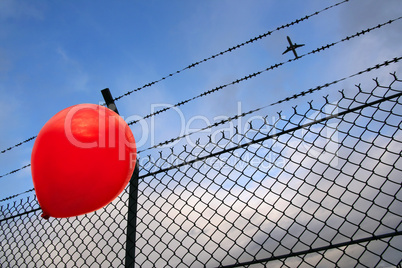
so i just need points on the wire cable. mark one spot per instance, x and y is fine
(360, 107)
(18, 144)
(206, 59)
(315, 250)
(14, 171)
(13, 196)
(263, 71)
(295, 96)
(232, 48)
(20, 214)
(267, 69)
(302, 93)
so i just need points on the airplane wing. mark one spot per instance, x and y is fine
(287, 50)
(297, 45)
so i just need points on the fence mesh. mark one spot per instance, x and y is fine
(92, 240)
(318, 185)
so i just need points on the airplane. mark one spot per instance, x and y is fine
(292, 47)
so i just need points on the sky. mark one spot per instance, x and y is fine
(57, 54)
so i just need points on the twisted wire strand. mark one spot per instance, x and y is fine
(263, 71)
(15, 170)
(18, 144)
(261, 36)
(295, 96)
(13, 196)
(258, 73)
(293, 129)
(206, 59)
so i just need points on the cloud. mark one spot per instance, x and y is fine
(206, 214)
(242, 203)
(224, 213)
(373, 47)
(360, 13)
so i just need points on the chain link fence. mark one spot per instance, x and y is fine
(318, 185)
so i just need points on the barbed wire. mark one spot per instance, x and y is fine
(13, 196)
(261, 36)
(206, 59)
(295, 96)
(267, 69)
(310, 195)
(14, 171)
(202, 129)
(16, 145)
(293, 129)
(263, 71)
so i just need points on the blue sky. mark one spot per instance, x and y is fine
(54, 54)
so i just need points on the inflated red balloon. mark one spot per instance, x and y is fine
(82, 159)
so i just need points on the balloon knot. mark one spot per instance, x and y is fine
(45, 216)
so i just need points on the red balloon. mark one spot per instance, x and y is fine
(82, 159)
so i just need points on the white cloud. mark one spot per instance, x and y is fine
(264, 210)
(199, 215)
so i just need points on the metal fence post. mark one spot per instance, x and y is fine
(132, 219)
(107, 96)
(132, 199)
